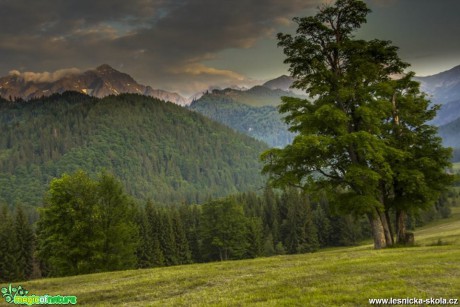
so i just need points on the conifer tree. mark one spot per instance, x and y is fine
(144, 251)
(153, 218)
(184, 255)
(255, 237)
(25, 244)
(166, 238)
(9, 270)
(323, 224)
(117, 221)
(299, 230)
(190, 215)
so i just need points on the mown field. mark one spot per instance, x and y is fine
(333, 277)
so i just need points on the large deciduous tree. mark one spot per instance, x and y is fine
(347, 141)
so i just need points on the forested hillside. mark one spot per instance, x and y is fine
(263, 123)
(449, 134)
(160, 151)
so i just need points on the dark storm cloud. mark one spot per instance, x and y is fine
(158, 41)
(425, 30)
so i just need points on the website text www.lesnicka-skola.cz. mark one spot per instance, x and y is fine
(414, 301)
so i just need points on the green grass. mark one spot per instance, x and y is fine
(334, 277)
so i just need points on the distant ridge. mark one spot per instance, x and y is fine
(443, 87)
(99, 82)
(281, 83)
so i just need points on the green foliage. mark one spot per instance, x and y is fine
(362, 136)
(116, 216)
(298, 229)
(25, 245)
(223, 230)
(9, 270)
(333, 277)
(17, 243)
(255, 238)
(158, 150)
(163, 236)
(86, 226)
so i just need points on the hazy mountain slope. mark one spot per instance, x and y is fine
(99, 82)
(263, 123)
(450, 134)
(256, 96)
(158, 150)
(282, 83)
(447, 113)
(443, 87)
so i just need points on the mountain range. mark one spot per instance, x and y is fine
(251, 111)
(99, 82)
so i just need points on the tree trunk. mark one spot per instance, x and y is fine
(378, 232)
(386, 228)
(401, 231)
(383, 218)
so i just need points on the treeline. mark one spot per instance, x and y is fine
(238, 227)
(91, 225)
(17, 245)
(158, 150)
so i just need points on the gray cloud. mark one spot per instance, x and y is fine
(160, 42)
(29, 76)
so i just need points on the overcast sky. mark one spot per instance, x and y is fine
(188, 45)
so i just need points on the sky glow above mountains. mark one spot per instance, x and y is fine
(189, 45)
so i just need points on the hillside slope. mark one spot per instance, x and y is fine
(444, 87)
(158, 150)
(263, 123)
(335, 277)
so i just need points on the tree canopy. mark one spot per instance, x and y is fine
(86, 226)
(364, 120)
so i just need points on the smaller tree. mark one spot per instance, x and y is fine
(223, 230)
(255, 237)
(25, 242)
(8, 250)
(117, 220)
(86, 226)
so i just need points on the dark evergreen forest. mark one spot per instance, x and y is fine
(146, 234)
(158, 150)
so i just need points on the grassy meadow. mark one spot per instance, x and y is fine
(332, 277)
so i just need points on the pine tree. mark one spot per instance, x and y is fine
(323, 224)
(299, 231)
(255, 237)
(157, 256)
(116, 216)
(9, 270)
(144, 252)
(25, 244)
(190, 216)
(166, 238)
(183, 253)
